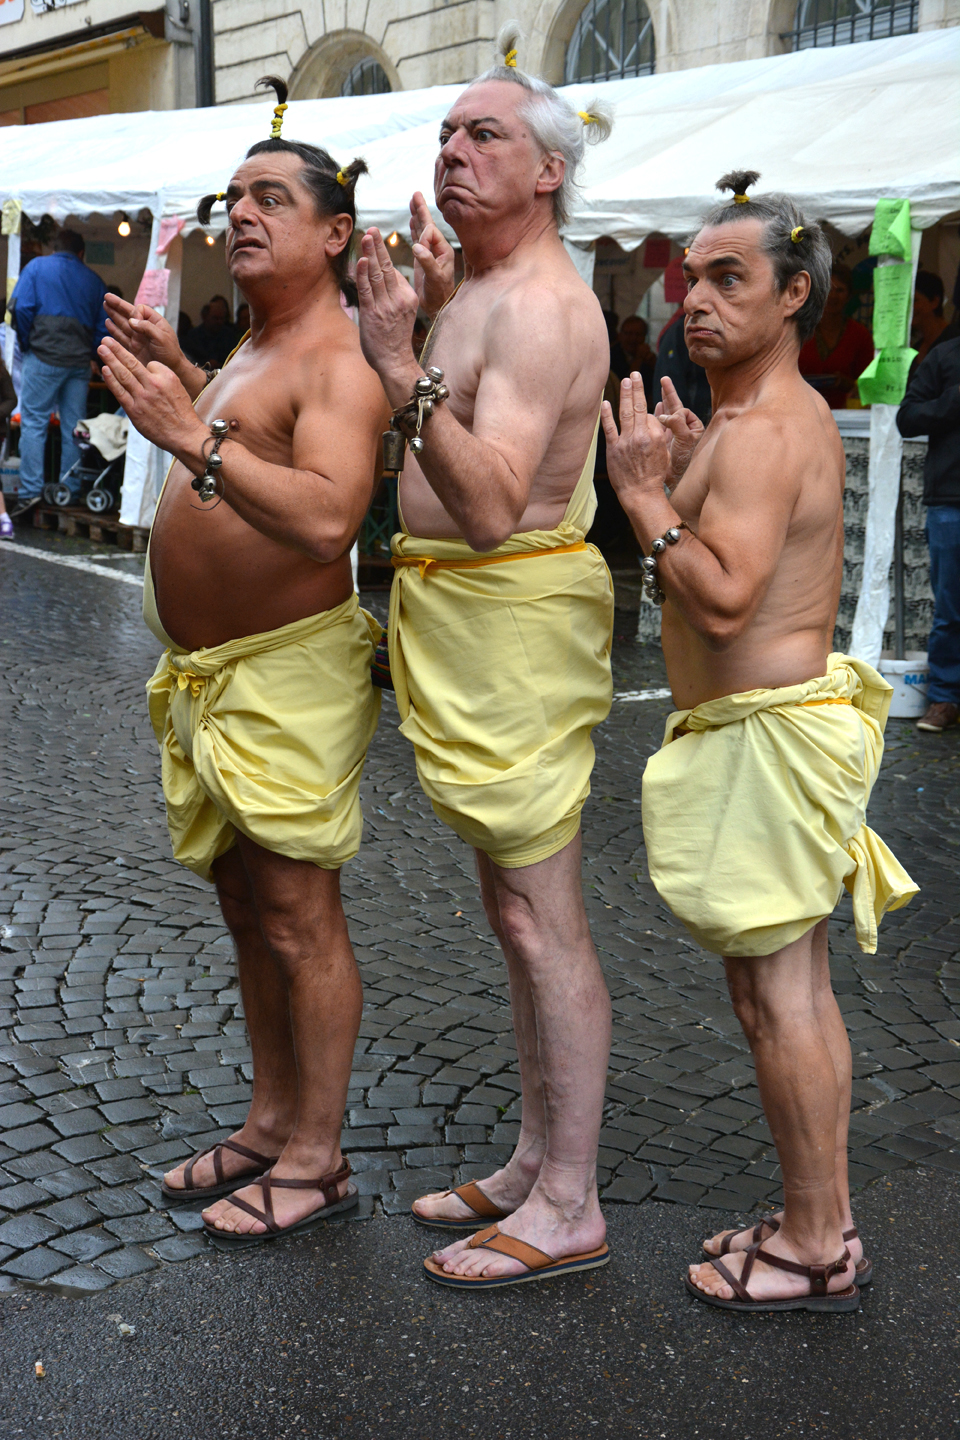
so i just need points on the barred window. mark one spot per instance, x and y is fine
(613, 39)
(367, 77)
(845, 22)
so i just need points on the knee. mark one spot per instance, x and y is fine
(238, 910)
(516, 927)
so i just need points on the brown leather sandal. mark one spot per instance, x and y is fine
(189, 1191)
(333, 1205)
(864, 1273)
(817, 1298)
(540, 1265)
(471, 1194)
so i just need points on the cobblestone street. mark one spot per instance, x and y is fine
(122, 1044)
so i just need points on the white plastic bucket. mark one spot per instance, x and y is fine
(909, 678)
(10, 474)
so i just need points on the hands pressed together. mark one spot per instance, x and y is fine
(649, 451)
(152, 397)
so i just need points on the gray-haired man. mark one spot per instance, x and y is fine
(500, 632)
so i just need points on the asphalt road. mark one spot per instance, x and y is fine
(337, 1334)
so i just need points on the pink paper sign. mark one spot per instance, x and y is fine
(170, 228)
(154, 288)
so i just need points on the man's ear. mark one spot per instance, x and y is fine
(338, 236)
(551, 174)
(796, 292)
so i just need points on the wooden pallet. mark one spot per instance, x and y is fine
(104, 529)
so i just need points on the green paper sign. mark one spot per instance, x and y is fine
(884, 381)
(891, 229)
(891, 305)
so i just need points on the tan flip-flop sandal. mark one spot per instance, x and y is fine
(471, 1194)
(540, 1265)
(864, 1273)
(817, 1298)
(189, 1191)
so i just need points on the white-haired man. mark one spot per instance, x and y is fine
(753, 810)
(500, 632)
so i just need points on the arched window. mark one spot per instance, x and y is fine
(367, 77)
(845, 22)
(613, 39)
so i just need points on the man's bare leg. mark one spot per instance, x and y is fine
(266, 1004)
(304, 927)
(834, 1033)
(509, 1186)
(775, 999)
(541, 913)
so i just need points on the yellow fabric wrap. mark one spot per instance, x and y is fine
(754, 821)
(267, 736)
(502, 669)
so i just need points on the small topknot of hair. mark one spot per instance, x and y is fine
(739, 181)
(350, 174)
(276, 84)
(508, 40)
(597, 120)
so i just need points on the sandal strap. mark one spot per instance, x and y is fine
(851, 1234)
(480, 1204)
(328, 1185)
(757, 1236)
(492, 1239)
(266, 1219)
(217, 1151)
(740, 1290)
(818, 1275)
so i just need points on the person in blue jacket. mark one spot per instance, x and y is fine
(60, 320)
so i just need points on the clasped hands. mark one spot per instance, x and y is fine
(153, 398)
(648, 451)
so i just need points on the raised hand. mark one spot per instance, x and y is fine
(152, 397)
(434, 259)
(143, 332)
(638, 458)
(388, 310)
(686, 430)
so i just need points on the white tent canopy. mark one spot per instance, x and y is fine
(835, 127)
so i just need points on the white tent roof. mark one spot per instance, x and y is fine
(837, 128)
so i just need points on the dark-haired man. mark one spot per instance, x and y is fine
(57, 307)
(262, 701)
(753, 810)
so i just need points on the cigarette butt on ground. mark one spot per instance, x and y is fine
(38, 1370)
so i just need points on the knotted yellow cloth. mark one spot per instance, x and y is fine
(502, 669)
(754, 821)
(267, 736)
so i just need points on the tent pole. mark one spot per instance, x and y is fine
(898, 595)
(13, 275)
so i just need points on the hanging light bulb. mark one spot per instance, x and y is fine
(124, 227)
(210, 239)
(393, 239)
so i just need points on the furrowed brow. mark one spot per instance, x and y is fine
(258, 187)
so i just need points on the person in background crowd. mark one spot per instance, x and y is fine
(929, 322)
(689, 379)
(640, 357)
(8, 403)
(210, 342)
(619, 364)
(243, 319)
(184, 326)
(931, 407)
(58, 312)
(839, 351)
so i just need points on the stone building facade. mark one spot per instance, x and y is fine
(332, 47)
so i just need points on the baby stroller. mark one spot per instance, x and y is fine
(102, 440)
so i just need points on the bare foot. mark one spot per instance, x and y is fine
(741, 1239)
(289, 1206)
(765, 1282)
(507, 1189)
(233, 1164)
(539, 1222)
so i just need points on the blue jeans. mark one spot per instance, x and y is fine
(943, 538)
(44, 388)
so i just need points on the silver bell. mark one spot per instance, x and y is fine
(434, 372)
(215, 461)
(423, 385)
(672, 535)
(416, 445)
(658, 547)
(219, 427)
(427, 409)
(648, 565)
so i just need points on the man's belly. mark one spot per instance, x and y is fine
(422, 513)
(758, 661)
(217, 579)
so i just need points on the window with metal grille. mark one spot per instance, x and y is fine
(367, 77)
(845, 22)
(613, 39)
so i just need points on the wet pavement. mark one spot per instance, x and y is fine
(122, 1043)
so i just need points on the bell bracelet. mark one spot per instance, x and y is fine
(648, 564)
(210, 483)
(407, 420)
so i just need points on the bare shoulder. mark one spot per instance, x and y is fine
(557, 303)
(784, 438)
(334, 372)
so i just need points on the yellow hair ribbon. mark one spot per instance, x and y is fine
(510, 59)
(220, 195)
(342, 179)
(277, 122)
(741, 199)
(586, 117)
(796, 234)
